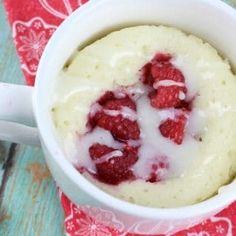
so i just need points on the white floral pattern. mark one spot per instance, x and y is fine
(58, 12)
(33, 44)
(31, 38)
(70, 225)
(107, 218)
(21, 28)
(224, 225)
(220, 230)
(94, 221)
(90, 227)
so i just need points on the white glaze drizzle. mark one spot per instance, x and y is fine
(125, 112)
(84, 142)
(167, 83)
(107, 157)
(152, 145)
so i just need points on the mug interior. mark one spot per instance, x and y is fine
(213, 21)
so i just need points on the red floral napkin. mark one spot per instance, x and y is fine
(33, 22)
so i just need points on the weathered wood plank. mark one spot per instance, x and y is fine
(7, 167)
(9, 71)
(4, 148)
(30, 203)
(9, 63)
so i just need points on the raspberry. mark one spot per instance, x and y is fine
(97, 150)
(167, 82)
(158, 170)
(168, 97)
(121, 128)
(174, 129)
(161, 71)
(146, 76)
(161, 58)
(116, 113)
(109, 101)
(114, 170)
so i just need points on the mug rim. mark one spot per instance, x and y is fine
(212, 204)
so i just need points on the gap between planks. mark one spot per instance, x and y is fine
(7, 166)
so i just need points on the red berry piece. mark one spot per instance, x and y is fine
(158, 170)
(97, 150)
(113, 169)
(162, 58)
(109, 101)
(159, 61)
(117, 104)
(168, 82)
(146, 76)
(168, 97)
(166, 71)
(174, 129)
(120, 127)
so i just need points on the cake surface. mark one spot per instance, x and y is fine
(200, 162)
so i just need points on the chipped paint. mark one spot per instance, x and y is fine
(39, 172)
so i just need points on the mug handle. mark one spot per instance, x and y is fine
(17, 122)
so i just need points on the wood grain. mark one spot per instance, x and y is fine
(4, 147)
(30, 198)
(29, 204)
(7, 166)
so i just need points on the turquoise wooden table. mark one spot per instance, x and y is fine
(29, 204)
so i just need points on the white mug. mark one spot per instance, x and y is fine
(24, 108)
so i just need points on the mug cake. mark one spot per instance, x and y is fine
(147, 114)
